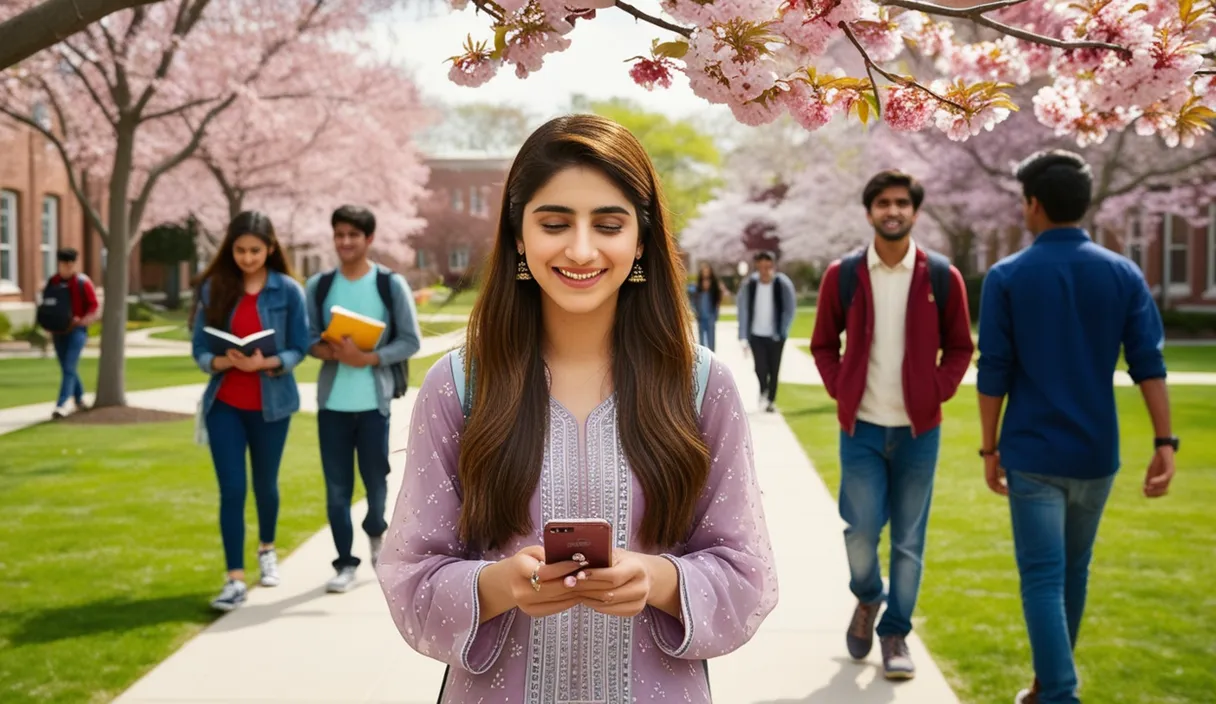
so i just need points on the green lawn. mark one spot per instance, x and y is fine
(110, 557)
(804, 322)
(35, 380)
(1150, 620)
(461, 303)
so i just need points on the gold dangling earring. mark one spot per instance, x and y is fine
(522, 273)
(637, 276)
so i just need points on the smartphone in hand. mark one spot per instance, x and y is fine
(579, 539)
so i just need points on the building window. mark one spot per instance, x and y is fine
(457, 200)
(8, 239)
(1134, 245)
(458, 259)
(420, 259)
(979, 254)
(50, 235)
(1211, 250)
(477, 203)
(1178, 261)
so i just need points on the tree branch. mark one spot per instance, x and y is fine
(638, 14)
(88, 85)
(179, 109)
(485, 7)
(1166, 171)
(50, 22)
(976, 14)
(73, 182)
(890, 76)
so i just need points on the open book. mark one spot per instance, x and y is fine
(365, 332)
(221, 342)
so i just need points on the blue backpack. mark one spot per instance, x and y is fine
(700, 378)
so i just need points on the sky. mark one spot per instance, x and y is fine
(421, 39)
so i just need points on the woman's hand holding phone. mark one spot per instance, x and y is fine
(508, 584)
(620, 590)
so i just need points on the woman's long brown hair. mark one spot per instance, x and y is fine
(227, 281)
(652, 365)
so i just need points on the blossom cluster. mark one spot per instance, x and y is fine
(1104, 65)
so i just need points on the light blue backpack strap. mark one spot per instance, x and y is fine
(456, 357)
(705, 360)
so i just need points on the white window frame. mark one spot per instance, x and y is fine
(458, 259)
(457, 200)
(10, 281)
(476, 205)
(979, 254)
(1211, 290)
(49, 246)
(1167, 250)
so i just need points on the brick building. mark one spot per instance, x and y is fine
(38, 215)
(461, 214)
(1176, 251)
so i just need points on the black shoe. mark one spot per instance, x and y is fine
(860, 637)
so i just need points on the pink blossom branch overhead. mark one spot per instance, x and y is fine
(1103, 65)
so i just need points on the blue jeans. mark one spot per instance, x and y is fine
(68, 347)
(706, 327)
(342, 434)
(232, 430)
(886, 474)
(1055, 523)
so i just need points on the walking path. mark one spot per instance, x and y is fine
(295, 643)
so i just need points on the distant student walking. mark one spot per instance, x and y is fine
(248, 404)
(1053, 318)
(706, 303)
(766, 306)
(68, 307)
(904, 313)
(356, 386)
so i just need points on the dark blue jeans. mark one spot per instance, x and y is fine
(706, 329)
(1055, 523)
(343, 434)
(886, 474)
(231, 431)
(68, 347)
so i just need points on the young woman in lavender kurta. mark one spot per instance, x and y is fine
(582, 403)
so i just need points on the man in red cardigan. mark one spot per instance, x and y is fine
(899, 306)
(70, 342)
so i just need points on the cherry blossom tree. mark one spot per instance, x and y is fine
(1101, 64)
(325, 130)
(112, 89)
(27, 28)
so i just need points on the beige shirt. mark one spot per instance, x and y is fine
(883, 400)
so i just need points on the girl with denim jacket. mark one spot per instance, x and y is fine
(247, 407)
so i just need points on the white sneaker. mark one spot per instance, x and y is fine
(60, 412)
(376, 543)
(268, 563)
(231, 596)
(342, 581)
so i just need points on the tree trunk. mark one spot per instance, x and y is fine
(111, 368)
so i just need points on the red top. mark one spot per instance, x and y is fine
(84, 297)
(927, 382)
(240, 389)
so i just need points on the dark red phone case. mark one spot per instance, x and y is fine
(573, 538)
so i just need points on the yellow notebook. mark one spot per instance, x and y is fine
(363, 331)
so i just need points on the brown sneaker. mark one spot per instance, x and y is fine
(1029, 696)
(896, 662)
(860, 637)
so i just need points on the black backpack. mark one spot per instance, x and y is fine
(939, 279)
(384, 284)
(55, 311)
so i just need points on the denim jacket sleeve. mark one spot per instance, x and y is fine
(298, 331)
(310, 305)
(409, 338)
(199, 348)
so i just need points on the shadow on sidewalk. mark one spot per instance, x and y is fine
(114, 615)
(252, 615)
(844, 687)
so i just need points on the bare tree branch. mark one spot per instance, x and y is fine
(187, 16)
(184, 107)
(73, 182)
(51, 21)
(976, 14)
(638, 14)
(102, 104)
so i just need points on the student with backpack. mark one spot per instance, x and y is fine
(356, 387)
(68, 307)
(899, 306)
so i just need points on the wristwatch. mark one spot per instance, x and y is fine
(1172, 441)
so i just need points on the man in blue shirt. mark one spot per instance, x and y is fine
(1052, 320)
(356, 387)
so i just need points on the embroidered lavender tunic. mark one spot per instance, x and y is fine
(727, 580)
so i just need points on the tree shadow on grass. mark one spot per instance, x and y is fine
(113, 615)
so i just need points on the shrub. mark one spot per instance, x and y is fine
(1188, 323)
(6, 326)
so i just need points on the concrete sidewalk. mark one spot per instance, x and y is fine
(296, 643)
